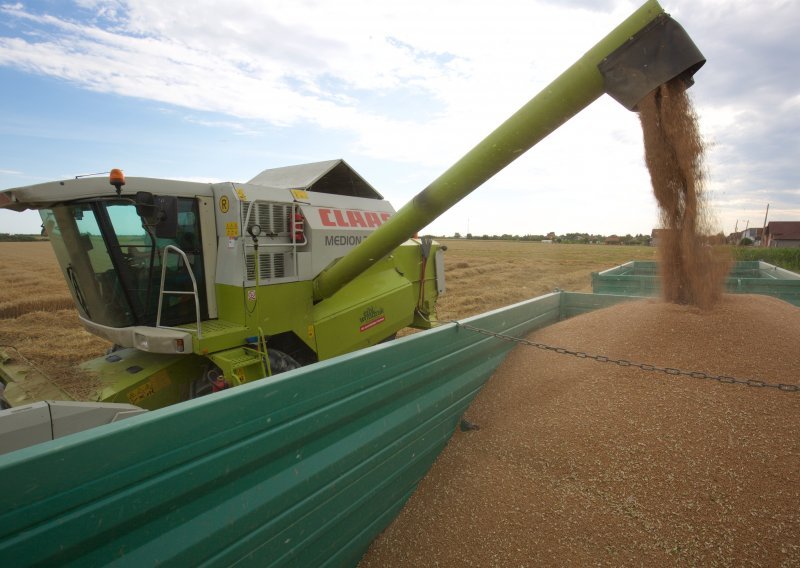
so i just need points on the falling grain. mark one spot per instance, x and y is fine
(692, 271)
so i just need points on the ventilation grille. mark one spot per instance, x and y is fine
(270, 265)
(272, 217)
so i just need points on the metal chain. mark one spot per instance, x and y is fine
(625, 363)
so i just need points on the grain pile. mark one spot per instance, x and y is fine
(583, 463)
(691, 271)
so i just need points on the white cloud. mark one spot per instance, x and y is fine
(421, 82)
(274, 62)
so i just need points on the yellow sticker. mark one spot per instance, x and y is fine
(232, 229)
(156, 383)
(140, 393)
(224, 204)
(300, 195)
(310, 331)
(240, 193)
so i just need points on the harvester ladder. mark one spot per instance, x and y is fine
(262, 353)
(161, 293)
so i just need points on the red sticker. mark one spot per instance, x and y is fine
(373, 323)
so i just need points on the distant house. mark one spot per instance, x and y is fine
(753, 233)
(782, 234)
(613, 240)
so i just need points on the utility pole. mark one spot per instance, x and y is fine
(764, 229)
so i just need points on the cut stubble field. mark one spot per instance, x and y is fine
(484, 275)
(39, 321)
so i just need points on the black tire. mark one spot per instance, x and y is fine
(280, 362)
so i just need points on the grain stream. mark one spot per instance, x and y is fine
(691, 270)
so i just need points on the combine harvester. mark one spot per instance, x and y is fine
(206, 287)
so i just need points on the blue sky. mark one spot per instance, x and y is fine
(219, 91)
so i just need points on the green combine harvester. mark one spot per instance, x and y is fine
(202, 287)
(206, 287)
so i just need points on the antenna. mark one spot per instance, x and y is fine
(90, 175)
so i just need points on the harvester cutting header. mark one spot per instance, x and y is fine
(206, 286)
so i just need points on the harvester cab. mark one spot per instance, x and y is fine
(207, 286)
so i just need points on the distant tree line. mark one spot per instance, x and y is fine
(6, 237)
(568, 238)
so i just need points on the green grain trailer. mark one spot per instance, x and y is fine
(640, 278)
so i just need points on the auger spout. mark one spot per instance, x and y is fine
(647, 49)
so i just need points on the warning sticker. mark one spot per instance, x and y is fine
(371, 317)
(156, 383)
(300, 194)
(232, 229)
(140, 393)
(373, 323)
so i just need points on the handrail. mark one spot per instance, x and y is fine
(162, 292)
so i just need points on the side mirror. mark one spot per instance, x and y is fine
(167, 226)
(145, 205)
(160, 211)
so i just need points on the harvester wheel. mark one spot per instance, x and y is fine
(280, 362)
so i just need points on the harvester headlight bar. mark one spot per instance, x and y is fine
(141, 341)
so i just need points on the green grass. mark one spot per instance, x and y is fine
(788, 258)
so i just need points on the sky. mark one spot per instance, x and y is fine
(218, 91)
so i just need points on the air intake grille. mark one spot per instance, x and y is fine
(270, 265)
(272, 217)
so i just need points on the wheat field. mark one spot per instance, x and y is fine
(38, 321)
(483, 275)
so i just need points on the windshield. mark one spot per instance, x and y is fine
(112, 262)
